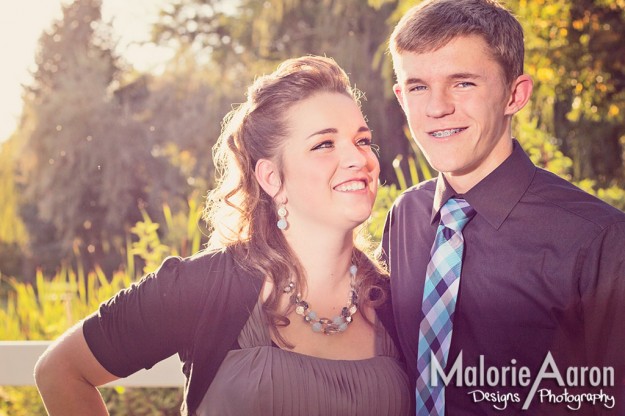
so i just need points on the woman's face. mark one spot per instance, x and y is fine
(330, 171)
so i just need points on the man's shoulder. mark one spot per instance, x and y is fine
(428, 186)
(573, 201)
(421, 193)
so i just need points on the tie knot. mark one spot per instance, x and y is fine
(456, 213)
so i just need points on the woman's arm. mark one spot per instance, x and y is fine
(66, 376)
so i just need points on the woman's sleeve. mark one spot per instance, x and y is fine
(146, 322)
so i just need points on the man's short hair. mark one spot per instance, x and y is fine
(432, 24)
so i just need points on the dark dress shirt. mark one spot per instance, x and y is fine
(543, 272)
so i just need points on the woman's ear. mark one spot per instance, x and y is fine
(268, 177)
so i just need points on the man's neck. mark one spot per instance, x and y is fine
(462, 182)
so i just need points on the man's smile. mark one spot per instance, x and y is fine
(446, 133)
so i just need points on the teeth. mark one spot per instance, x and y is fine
(445, 133)
(351, 186)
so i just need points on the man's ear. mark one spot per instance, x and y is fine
(268, 177)
(520, 94)
(399, 95)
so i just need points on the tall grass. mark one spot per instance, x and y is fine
(45, 309)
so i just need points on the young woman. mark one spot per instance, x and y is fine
(282, 314)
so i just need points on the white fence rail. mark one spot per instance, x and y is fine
(18, 358)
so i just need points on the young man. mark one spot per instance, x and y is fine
(520, 311)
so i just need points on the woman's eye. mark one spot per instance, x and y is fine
(364, 142)
(324, 145)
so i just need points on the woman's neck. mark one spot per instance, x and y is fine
(325, 257)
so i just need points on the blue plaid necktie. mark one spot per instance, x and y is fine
(439, 302)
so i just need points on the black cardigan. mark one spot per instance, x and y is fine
(203, 300)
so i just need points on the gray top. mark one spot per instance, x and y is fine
(261, 379)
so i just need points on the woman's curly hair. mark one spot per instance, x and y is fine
(240, 214)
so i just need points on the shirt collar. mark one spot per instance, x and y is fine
(495, 196)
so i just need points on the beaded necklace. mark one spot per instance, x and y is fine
(326, 325)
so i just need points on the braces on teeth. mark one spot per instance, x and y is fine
(445, 133)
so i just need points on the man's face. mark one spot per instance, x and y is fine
(459, 108)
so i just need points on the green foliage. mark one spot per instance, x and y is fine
(12, 229)
(185, 231)
(376, 4)
(13, 235)
(20, 401)
(544, 152)
(25, 401)
(540, 146)
(142, 401)
(148, 246)
(96, 143)
(183, 235)
(575, 55)
(65, 182)
(45, 309)
(613, 195)
(386, 196)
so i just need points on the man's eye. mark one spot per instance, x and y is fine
(417, 88)
(466, 84)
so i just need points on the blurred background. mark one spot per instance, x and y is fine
(110, 110)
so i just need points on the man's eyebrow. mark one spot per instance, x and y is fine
(458, 75)
(464, 75)
(411, 81)
(332, 130)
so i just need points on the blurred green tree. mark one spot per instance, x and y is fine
(252, 37)
(576, 57)
(13, 236)
(61, 165)
(86, 164)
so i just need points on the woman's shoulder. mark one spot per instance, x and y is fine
(206, 267)
(199, 264)
(208, 259)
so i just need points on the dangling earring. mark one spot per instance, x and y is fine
(282, 223)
